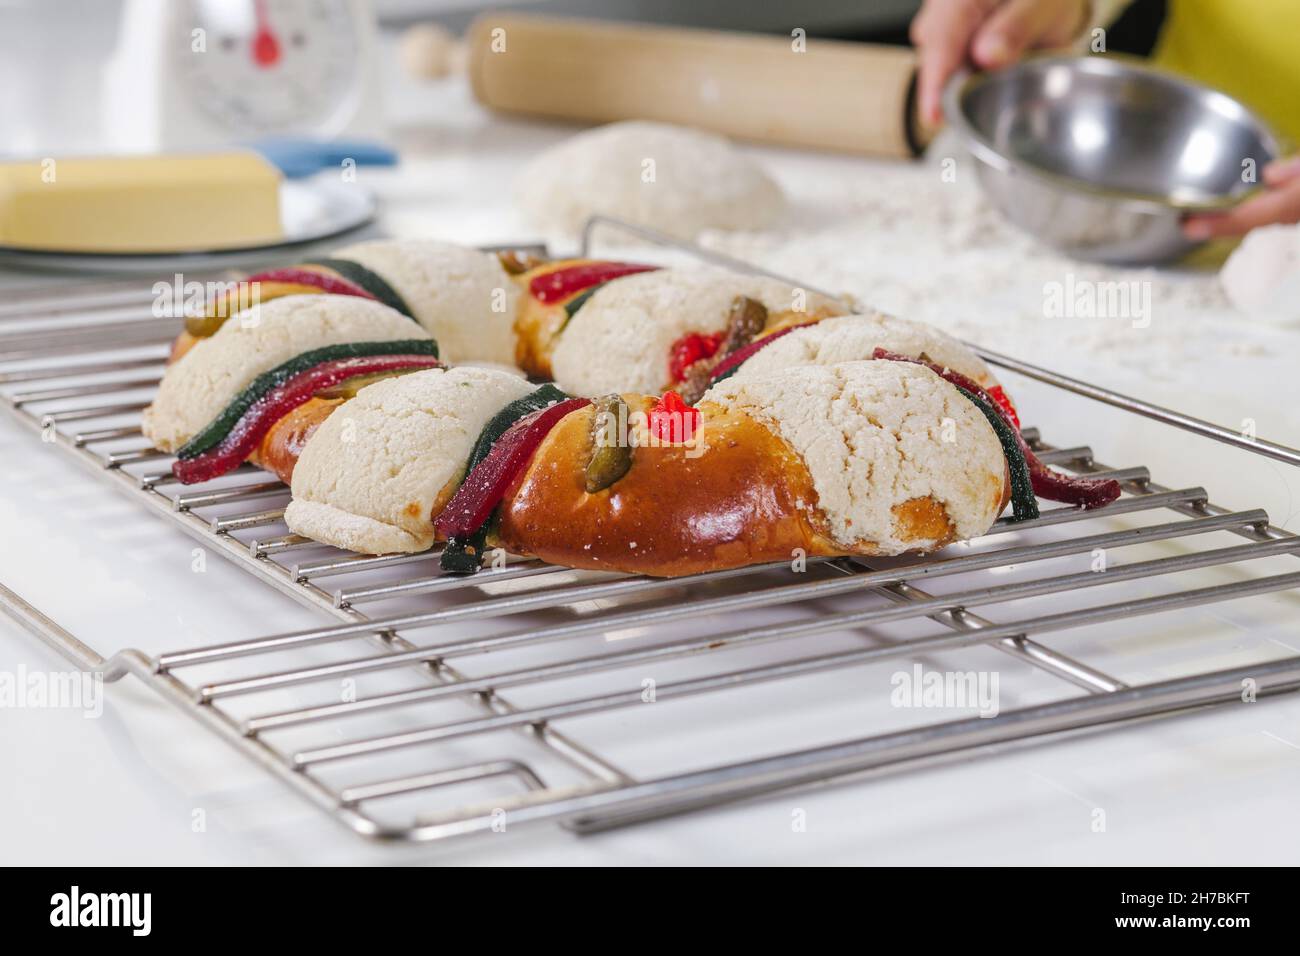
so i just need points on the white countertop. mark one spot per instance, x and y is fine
(123, 788)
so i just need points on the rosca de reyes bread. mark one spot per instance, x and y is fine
(832, 460)
(586, 323)
(843, 459)
(754, 420)
(876, 457)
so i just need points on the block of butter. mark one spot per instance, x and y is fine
(166, 203)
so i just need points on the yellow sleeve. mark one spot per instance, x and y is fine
(1251, 51)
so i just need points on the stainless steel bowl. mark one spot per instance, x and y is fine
(1102, 156)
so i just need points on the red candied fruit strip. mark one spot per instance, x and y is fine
(559, 285)
(1052, 485)
(319, 280)
(735, 359)
(485, 486)
(999, 398)
(689, 349)
(275, 404)
(673, 421)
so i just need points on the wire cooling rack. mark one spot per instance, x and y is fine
(419, 706)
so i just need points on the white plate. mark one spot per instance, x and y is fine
(311, 209)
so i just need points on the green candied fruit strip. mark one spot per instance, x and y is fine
(725, 375)
(577, 302)
(372, 282)
(1024, 506)
(216, 430)
(464, 555)
(500, 423)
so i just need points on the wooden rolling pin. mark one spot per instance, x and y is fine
(856, 97)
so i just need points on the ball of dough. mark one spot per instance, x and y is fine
(678, 180)
(1262, 276)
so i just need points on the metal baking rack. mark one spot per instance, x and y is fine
(533, 693)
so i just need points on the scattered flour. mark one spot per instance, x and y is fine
(900, 238)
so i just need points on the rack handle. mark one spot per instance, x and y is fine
(85, 657)
(1168, 416)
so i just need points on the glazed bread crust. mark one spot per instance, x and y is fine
(745, 499)
(536, 328)
(280, 447)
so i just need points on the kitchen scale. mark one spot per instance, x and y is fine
(201, 73)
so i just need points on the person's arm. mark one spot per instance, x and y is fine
(989, 33)
(1278, 203)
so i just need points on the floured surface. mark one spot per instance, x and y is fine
(900, 239)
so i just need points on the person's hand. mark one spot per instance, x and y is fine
(991, 33)
(1278, 203)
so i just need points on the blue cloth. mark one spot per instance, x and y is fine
(298, 158)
